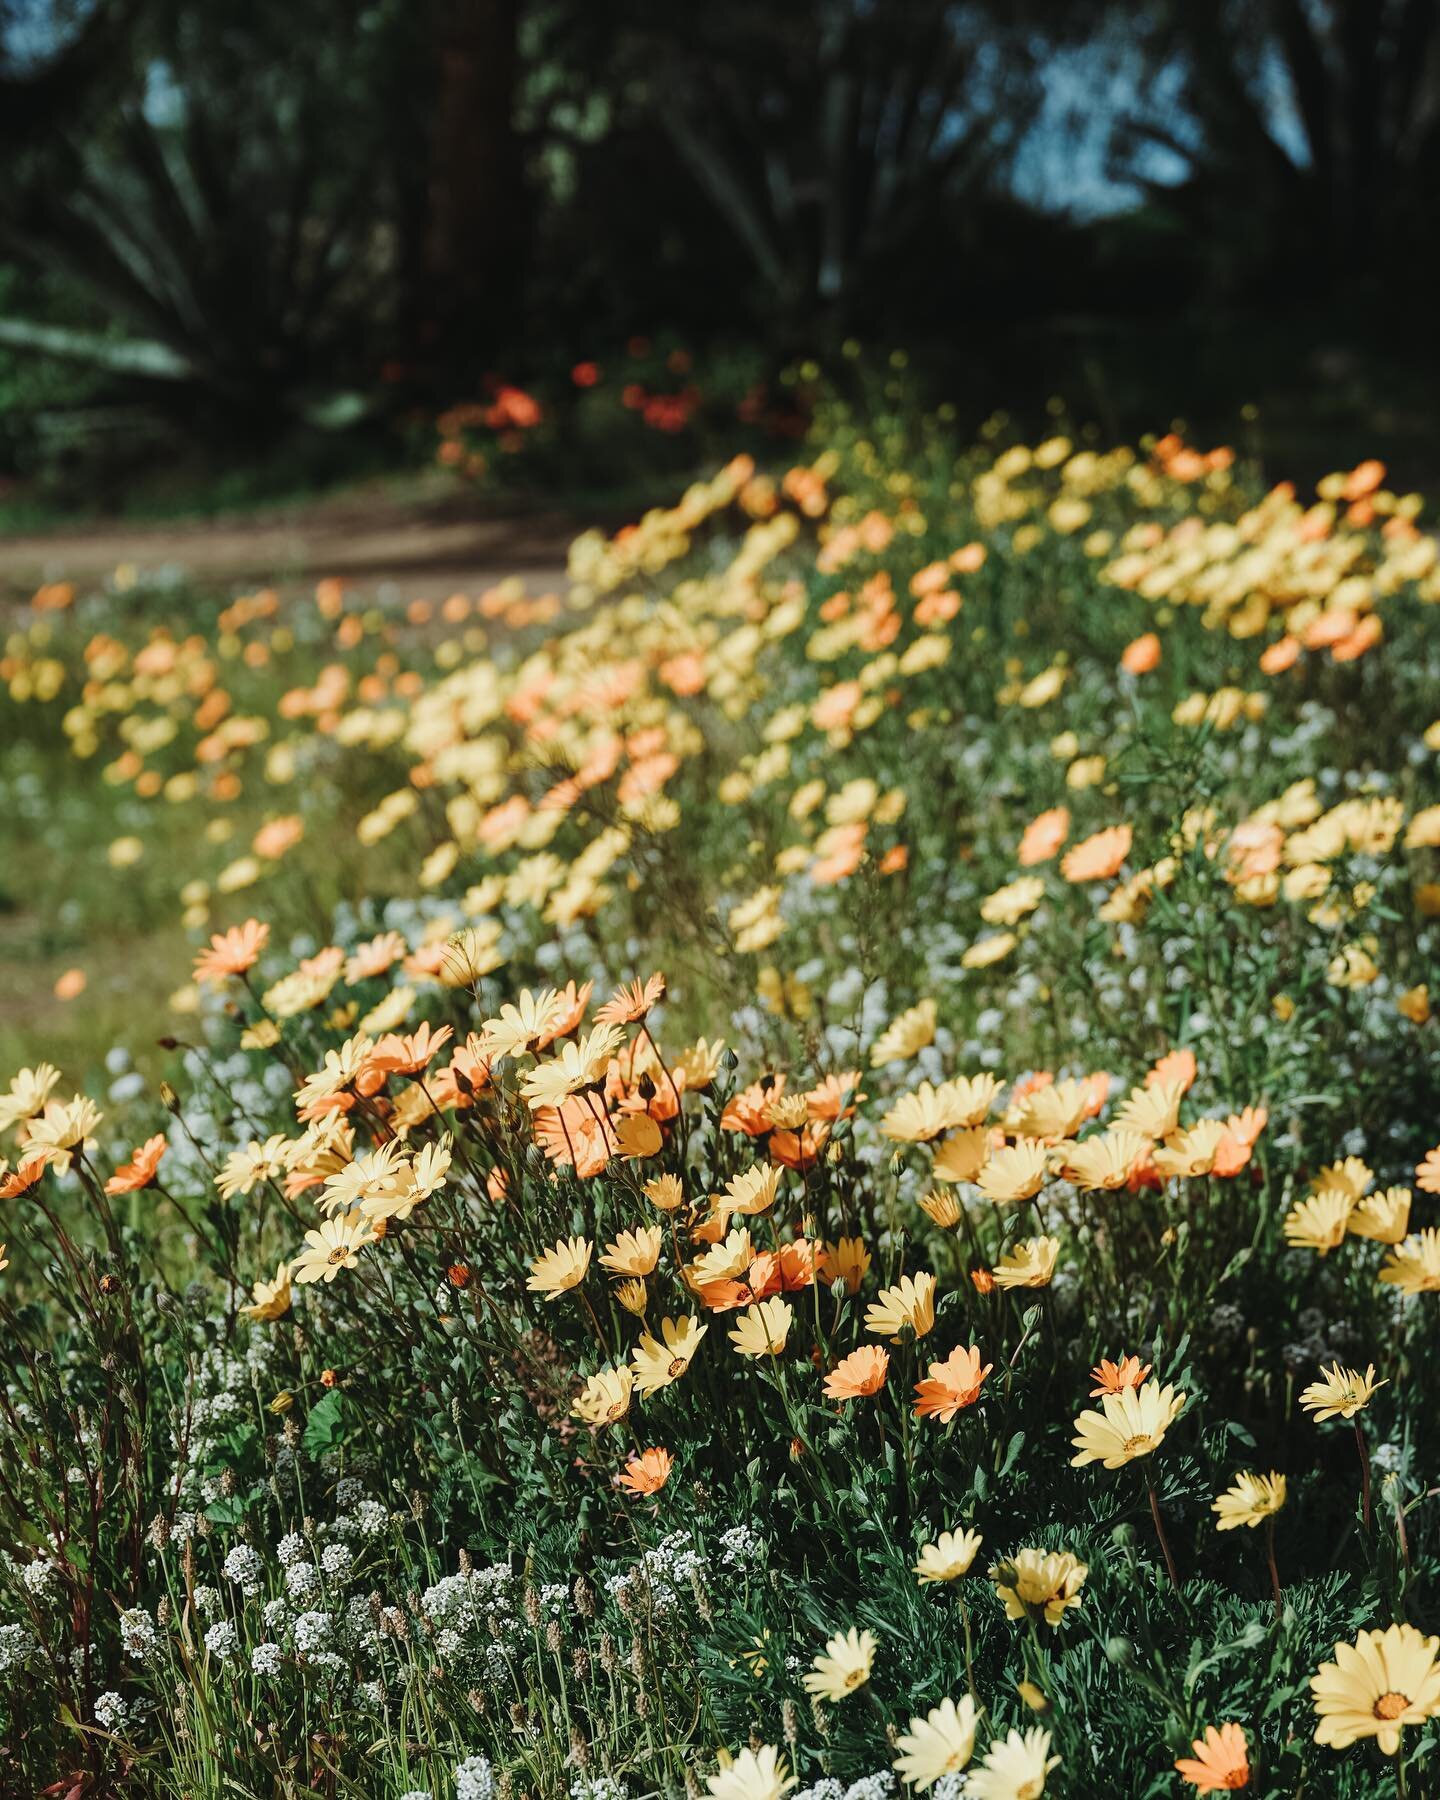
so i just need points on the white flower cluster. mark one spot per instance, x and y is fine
(17, 1646)
(244, 1567)
(661, 1577)
(138, 1635)
(222, 1640)
(475, 1779)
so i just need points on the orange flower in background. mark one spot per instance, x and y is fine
(572, 1002)
(1363, 479)
(862, 1372)
(749, 1110)
(1043, 837)
(648, 1472)
(232, 952)
(952, 1385)
(1141, 655)
(139, 1172)
(1279, 656)
(1427, 1173)
(1099, 857)
(1221, 1763)
(71, 985)
(1178, 1066)
(1114, 1378)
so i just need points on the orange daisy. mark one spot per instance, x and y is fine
(1427, 1172)
(1178, 1066)
(232, 952)
(139, 1172)
(1114, 1378)
(1043, 837)
(1142, 654)
(1099, 857)
(863, 1371)
(648, 1472)
(629, 1004)
(952, 1385)
(14, 1182)
(1221, 1763)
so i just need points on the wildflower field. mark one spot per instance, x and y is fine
(810, 1169)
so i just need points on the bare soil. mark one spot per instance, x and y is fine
(427, 543)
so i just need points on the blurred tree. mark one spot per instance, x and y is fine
(1290, 134)
(838, 141)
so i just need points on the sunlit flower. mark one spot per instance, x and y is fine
(1015, 1767)
(1341, 1394)
(61, 1131)
(139, 1172)
(270, 1299)
(563, 1266)
(1382, 1682)
(1251, 1499)
(1039, 1584)
(1383, 1217)
(951, 1386)
(939, 1744)
(752, 1192)
(1015, 1173)
(1030, 1263)
(334, 1246)
(847, 1261)
(910, 1302)
(1414, 1265)
(1129, 1424)
(656, 1363)
(1221, 1761)
(843, 1666)
(1114, 1378)
(232, 952)
(962, 1155)
(520, 1026)
(907, 1036)
(633, 1252)
(761, 1330)
(753, 1775)
(605, 1397)
(1099, 857)
(860, 1373)
(949, 1557)
(28, 1093)
(1319, 1222)
(664, 1192)
(648, 1472)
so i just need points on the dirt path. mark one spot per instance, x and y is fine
(429, 543)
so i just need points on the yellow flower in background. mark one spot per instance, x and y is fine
(962, 1155)
(843, 1666)
(563, 1266)
(1104, 1162)
(754, 1191)
(1414, 1004)
(29, 1091)
(1383, 1217)
(1039, 1584)
(1351, 1176)
(665, 1192)
(762, 1329)
(941, 1207)
(1154, 1110)
(1027, 1264)
(906, 1036)
(1320, 1222)
(1341, 1393)
(1382, 1682)
(949, 1557)
(1015, 1173)
(1249, 1500)
(939, 1744)
(1128, 1425)
(847, 1261)
(910, 1302)
(1009, 904)
(988, 950)
(270, 1300)
(1414, 1266)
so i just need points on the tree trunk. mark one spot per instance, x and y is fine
(475, 241)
